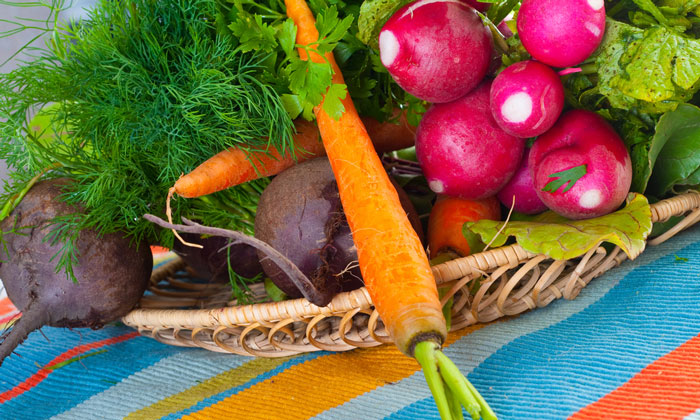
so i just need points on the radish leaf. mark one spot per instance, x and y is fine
(628, 228)
(568, 177)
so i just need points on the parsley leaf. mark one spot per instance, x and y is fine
(332, 103)
(568, 177)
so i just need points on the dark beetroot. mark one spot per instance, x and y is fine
(111, 273)
(300, 215)
(211, 262)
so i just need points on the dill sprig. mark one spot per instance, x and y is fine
(141, 92)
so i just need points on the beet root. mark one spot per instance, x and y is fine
(300, 215)
(111, 273)
(212, 260)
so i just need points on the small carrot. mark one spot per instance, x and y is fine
(448, 215)
(394, 264)
(234, 166)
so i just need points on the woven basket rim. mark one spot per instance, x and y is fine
(273, 317)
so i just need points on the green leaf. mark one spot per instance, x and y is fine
(568, 177)
(675, 150)
(332, 104)
(650, 7)
(253, 34)
(309, 80)
(628, 228)
(373, 15)
(287, 35)
(292, 104)
(273, 292)
(653, 69)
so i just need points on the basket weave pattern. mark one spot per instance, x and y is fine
(485, 286)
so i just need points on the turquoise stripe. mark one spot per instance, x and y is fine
(694, 416)
(553, 372)
(72, 384)
(232, 391)
(167, 377)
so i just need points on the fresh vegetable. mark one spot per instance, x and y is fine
(236, 166)
(447, 217)
(520, 192)
(581, 168)
(437, 51)
(392, 260)
(105, 288)
(462, 150)
(214, 260)
(140, 101)
(301, 216)
(562, 239)
(561, 33)
(527, 98)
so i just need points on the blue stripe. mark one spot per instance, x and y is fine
(37, 351)
(553, 372)
(262, 377)
(72, 384)
(168, 377)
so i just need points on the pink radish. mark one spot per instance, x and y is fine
(584, 150)
(522, 188)
(561, 33)
(527, 98)
(462, 150)
(436, 50)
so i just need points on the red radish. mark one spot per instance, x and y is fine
(462, 150)
(527, 98)
(581, 141)
(521, 187)
(561, 33)
(436, 50)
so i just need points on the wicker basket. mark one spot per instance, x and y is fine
(512, 281)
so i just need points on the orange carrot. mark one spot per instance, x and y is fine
(234, 166)
(394, 264)
(447, 217)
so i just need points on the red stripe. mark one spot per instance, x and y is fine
(9, 318)
(669, 388)
(44, 372)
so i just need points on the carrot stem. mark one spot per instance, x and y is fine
(425, 355)
(468, 396)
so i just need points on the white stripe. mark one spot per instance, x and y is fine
(470, 351)
(167, 377)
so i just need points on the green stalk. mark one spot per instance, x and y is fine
(15, 200)
(451, 390)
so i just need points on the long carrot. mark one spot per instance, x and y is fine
(234, 166)
(394, 264)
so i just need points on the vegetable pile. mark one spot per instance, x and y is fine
(311, 144)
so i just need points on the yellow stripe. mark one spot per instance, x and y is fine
(212, 386)
(307, 389)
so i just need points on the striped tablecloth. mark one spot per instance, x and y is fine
(627, 348)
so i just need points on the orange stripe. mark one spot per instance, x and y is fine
(310, 388)
(39, 376)
(6, 306)
(669, 388)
